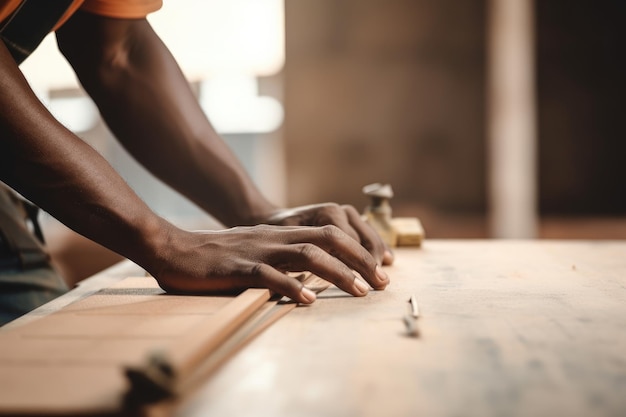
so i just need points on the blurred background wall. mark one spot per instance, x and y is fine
(397, 91)
(387, 91)
(581, 53)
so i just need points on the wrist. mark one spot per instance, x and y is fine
(253, 212)
(153, 243)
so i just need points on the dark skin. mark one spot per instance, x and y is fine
(146, 101)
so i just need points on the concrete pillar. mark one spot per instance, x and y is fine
(512, 120)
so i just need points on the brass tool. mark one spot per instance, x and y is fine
(399, 231)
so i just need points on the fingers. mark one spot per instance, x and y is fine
(348, 219)
(309, 257)
(327, 252)
(339, 256)
(333, 214)
(388, 257)
(318, 262)
(281, 283)
(368, 237)
(345, 218)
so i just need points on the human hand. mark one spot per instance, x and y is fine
(345, 217)
(260, 256)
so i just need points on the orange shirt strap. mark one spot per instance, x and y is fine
(7, 7)
(126, 9)
(129, 9)
(70, 11)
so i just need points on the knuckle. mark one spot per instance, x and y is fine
(264, 227)
(308, 251)
(333, 207)
(256, 270)
(329, 211)
(257, 275)
(287, 287)
(331, 232)
(349, 209)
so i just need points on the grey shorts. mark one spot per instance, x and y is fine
(23, 291)
(27, 279)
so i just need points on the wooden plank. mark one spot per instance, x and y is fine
(167, 368)
(262, 319)
(71, 362)
(188, 351)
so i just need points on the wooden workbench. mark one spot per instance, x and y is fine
(507, 328)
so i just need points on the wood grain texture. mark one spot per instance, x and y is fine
(507, 328)
(188, 351)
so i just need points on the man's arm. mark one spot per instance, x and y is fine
(55, 169)
(152, 111)
(45, 162)
(146, 101)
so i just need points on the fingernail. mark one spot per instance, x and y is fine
(382, 275)
(388, 256)
(308, 294)
(360, 286)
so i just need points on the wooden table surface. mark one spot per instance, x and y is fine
(507, 328)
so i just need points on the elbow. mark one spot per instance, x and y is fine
(98, 69)
(106, 60)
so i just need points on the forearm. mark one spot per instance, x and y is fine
(148, 104)
(66, 177)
